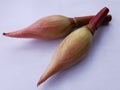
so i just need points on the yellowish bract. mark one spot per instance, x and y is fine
(73, 47)
(69, 52)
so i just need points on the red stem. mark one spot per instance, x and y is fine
(81, 21)
(96, 21)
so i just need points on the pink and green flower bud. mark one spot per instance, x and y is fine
(69, 52)
(52, 27)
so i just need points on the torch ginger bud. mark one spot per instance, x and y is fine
(68, 53)
(52, 27)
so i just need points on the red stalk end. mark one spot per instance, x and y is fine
(96, 21)
(107, 19)
(81, 21)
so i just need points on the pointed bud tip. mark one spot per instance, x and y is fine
(4, 33)
(40, 82)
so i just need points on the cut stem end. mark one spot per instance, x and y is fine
(96, 21)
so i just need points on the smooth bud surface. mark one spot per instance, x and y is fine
(50, 27)
(53, 27)
(69, 52)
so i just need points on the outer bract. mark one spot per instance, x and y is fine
(69, 52)
(53, 27)
(50, 27)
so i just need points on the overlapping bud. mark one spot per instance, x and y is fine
(52, 27)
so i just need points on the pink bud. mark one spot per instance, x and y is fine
(52, 27)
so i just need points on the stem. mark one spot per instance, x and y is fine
(81, 21)
(96, 21)
(107, 19)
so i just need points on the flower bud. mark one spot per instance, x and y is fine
(52, 27)
(69, 52)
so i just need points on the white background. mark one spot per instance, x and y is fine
(22, 61)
